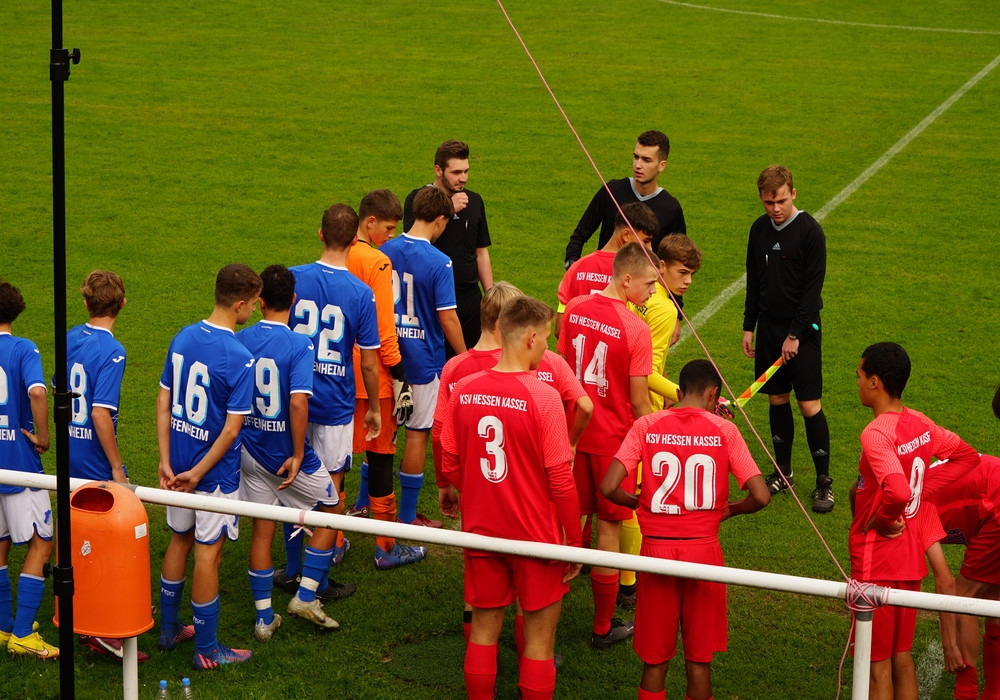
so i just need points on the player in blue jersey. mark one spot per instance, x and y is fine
(25, 514)
(425, 316)
(205, 391)
(278, 465)
(95, 362)
(336, 310)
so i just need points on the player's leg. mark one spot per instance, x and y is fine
(782, 434)
(807, 379)
(991, 660)
(333, 444)
(256, 487)
(699, 680)
(172, 575)
(652, 686)
(880, 680)
(30, 588)
(904, 676)
(489, 589)
(537, 672)
(6, 596)
(211, 532)
(411, 469)
(604, 586)
(631, 542)
(657, 616)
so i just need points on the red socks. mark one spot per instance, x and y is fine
(537, 680)
(991, 661)
(481, 671)
(648, 695)
(605, 589)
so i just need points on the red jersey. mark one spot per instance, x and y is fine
(965, 504)
(588, 275)
(506, 450)
(686, 456)
(896, 449)
(606, 345)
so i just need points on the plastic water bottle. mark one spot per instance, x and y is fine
(186, 692)
(163, 693)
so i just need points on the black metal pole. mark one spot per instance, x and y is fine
(59, 60)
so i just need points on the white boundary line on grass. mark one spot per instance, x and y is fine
(832, 21)
(733, 289)
(929, 669)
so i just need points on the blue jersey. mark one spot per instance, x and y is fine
(283, 365)
(20, 371)
(95, 363)
(209, 375)
(336, 310)
(423, 284)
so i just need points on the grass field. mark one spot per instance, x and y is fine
(200, 134)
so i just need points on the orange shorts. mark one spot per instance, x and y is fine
(385, 443)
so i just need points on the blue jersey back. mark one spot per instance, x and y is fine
(423, 284)
(209, 375)
(20, 370)
(336, 310)
(283, 365)
(95, 364)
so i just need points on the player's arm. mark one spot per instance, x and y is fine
(104, 426)
(638, 392)
(298, 419)
(881, 450)
(165, 472)
(661, 317)
(611, 486)
(813, 274)
(369, 373)
(751, 305)
(589, 222)
(485, 268)
(757, 497)
(189, 480)
(38, 399)
(584, 410)
(452, 330)
(944, 583)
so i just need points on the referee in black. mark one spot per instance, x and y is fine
(786, 264)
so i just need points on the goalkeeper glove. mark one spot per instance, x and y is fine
(403, 395)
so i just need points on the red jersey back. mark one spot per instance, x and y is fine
(606, 345)
(556, 372)
(686, 456)
(509, 433)
(460, 367)
(895, 444)
(964, 504)
(588, 275)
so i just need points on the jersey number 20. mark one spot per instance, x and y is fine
(698, 473)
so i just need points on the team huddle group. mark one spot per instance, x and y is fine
(385, 332)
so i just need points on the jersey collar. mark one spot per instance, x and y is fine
(642, 197)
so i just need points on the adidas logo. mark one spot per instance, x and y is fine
(821, 453)
(777, 246)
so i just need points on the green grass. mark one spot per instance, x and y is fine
(203, 134)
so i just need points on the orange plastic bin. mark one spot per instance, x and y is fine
(110, 533)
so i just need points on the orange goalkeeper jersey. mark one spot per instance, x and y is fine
(374, 269)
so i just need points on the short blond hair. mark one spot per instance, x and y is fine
(493, 302)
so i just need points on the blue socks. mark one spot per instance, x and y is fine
(293, 550)
(206, 625)
(363, 501)
(29, 599)
(409, 491)
(170, 600)
(261, 583)
(6, 602)
(316, 568)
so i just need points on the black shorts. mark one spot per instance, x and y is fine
(803, 374)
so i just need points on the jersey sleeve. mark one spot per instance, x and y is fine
(569, 387)
(741, 463)
(240, 401)
(483, 231)
(558, 461)
(31, 367)
(444, 392)
(814, 272)
(565, 291)
(381, 284)
(880, 448)
(640, 348)
(368, 331)
(300, 379)
(444, 287)
(630, 452)
(451, 465)
(108, 388)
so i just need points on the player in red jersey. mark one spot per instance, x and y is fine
(611, 352)
(686, 455)
(592, 273)
(506, 450)
(896, 449)
(970, 513)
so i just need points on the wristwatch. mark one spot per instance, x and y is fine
(792, 337)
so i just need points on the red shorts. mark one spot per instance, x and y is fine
(385, 443)
(981, 562)
(661, 602)
(588, 472)
(495, 580)
(892, 626)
